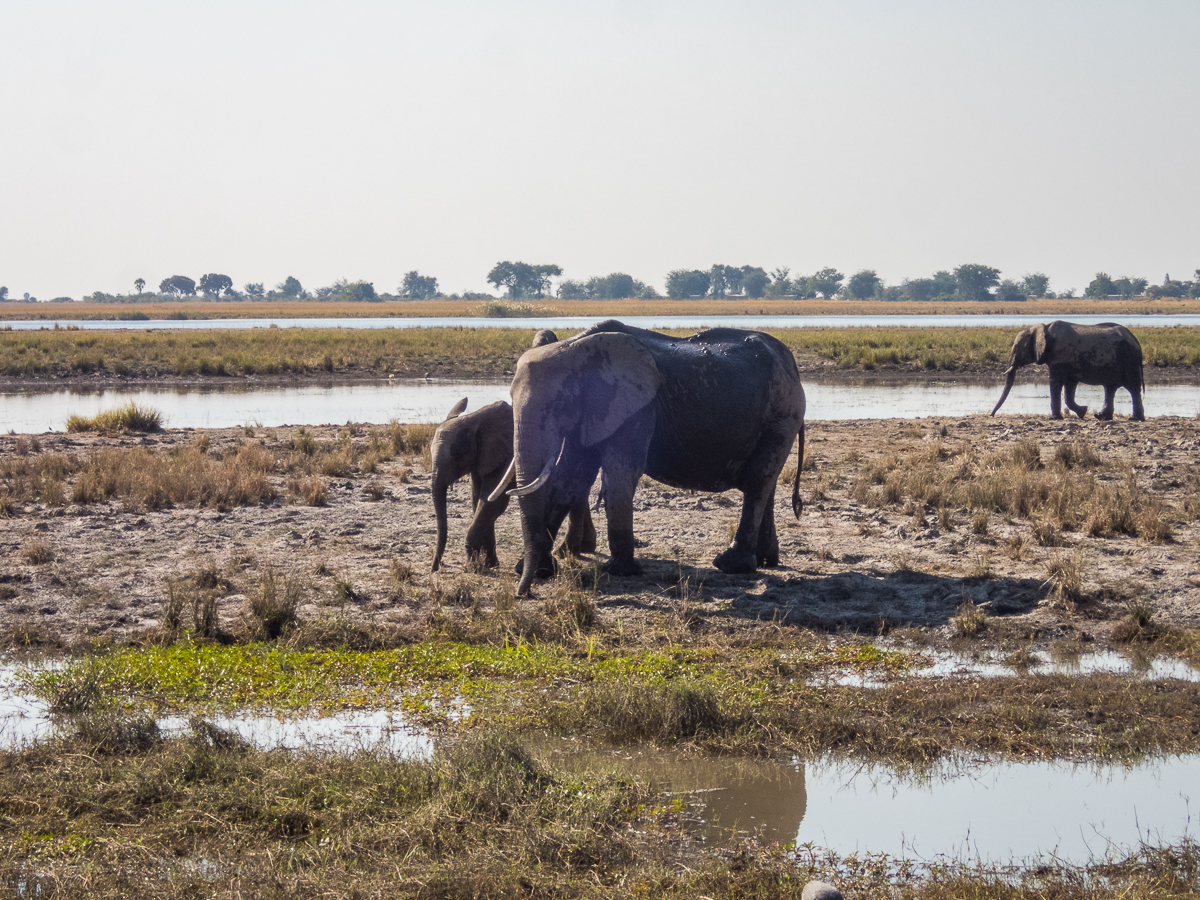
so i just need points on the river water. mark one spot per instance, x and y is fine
(570, 324)
(34, 411)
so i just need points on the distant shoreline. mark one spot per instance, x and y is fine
(473, 309)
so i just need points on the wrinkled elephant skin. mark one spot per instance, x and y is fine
(714, 412)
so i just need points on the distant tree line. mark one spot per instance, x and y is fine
(523, 281)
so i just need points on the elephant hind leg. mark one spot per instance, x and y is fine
(768, 540)
(1110, 396)
(581, 531)
(756, 540)
(1069, 392)
(1135, 394)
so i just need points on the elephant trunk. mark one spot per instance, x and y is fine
(537, 540)
(440, 487)
(1010, 377)
(445, 473)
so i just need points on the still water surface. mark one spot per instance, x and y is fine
(571, 324)
(38, 411)
(993, 811)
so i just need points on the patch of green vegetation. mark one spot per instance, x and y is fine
(467, 351)
(757, 702)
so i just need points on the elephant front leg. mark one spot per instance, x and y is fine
(481, 535)
(1074, 407)
(619, 487)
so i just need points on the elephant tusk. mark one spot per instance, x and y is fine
(542, 478)
(509, 474)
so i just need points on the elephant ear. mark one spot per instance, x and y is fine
(620, 380)
(1041, 344)
(457, 409)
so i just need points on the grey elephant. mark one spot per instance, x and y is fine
(480, 444)
(716, 411)
(1107, 354)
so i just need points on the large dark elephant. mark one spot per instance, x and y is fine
(713, 412)
(1107, 354)
(480, 444)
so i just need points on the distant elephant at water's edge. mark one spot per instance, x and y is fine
(1107, 354)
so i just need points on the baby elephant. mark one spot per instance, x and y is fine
(480, 444)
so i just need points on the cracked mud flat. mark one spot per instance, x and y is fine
(844, 566)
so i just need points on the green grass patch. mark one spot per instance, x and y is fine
(757, 702)
(466, 351)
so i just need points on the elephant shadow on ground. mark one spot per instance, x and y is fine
(866, 601)
(861, 600)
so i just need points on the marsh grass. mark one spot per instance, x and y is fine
(271, 608)
(186, 475)
(129, 417)
(483, 817)
(970, 619)
(419, 351)
(190, 608)
(1075, 492)
(1066, 580)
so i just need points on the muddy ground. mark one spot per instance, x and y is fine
(845, 567)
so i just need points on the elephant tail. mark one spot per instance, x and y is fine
(797, 503)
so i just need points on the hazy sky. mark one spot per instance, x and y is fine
(363, 139)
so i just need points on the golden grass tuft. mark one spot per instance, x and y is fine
(38, 552)
(129, 417)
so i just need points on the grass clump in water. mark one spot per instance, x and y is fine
(129, 417)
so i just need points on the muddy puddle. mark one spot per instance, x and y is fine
(986, 664)
(29, 411)
(25, 719)
(973, 809)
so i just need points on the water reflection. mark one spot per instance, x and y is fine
(986, 810)
(570, 324)
(33, 411)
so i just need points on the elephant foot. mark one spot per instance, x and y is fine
(735, 561)
(1056, 415)
(545, 570)
(1081, 411)
(1137, 418)
(768, 562)
(1105, 415)
(622, 567)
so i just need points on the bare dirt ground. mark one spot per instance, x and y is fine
(103, 569)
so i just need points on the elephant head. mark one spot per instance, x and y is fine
(569, 399)
(1031, 346)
